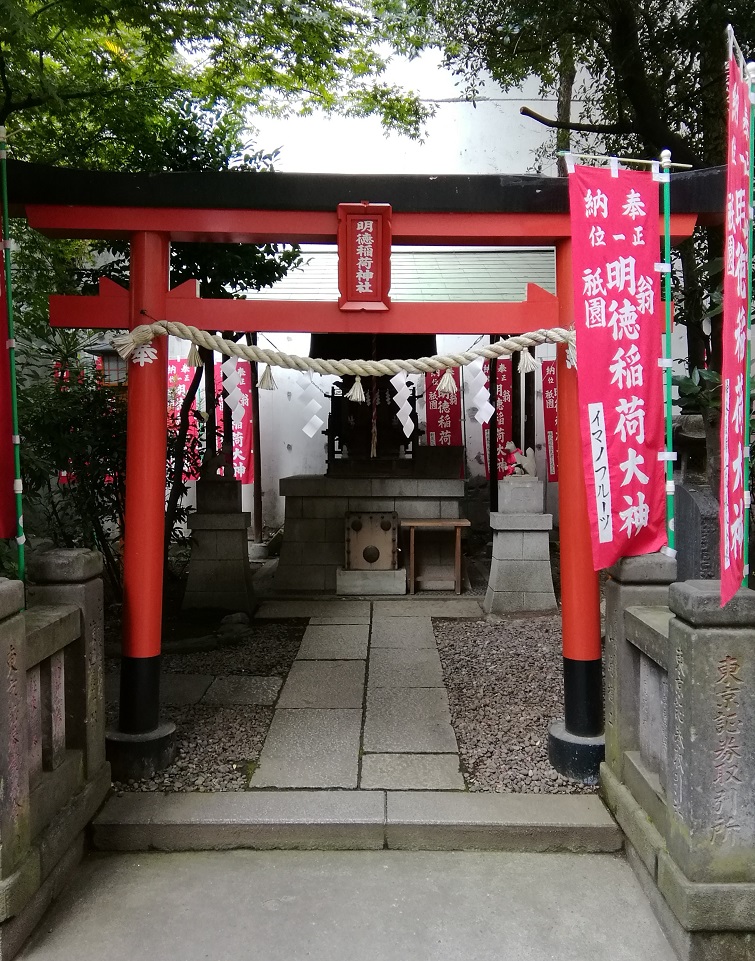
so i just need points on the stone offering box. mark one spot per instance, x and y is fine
(53, 771)
(679, 775)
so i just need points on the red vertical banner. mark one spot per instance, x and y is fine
(180, 375)
(734, 368)
(243, 462)
(7, 470)
(442, 412)
(617, 312)
(504, 406)
(550, 418)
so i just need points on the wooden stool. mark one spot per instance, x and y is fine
(436, 524)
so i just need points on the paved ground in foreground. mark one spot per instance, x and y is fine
(351, 906)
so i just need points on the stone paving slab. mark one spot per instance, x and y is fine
(408, 720)
(446, 821)
(324, 684)
(243, 689)
(396, 668)
(405, 633)
(310, 748)
(404, 772)
(177, 690)
(314, 607)
(334, 642)
(345, 618)
(325, 820)
(431, 606)
(342, 906)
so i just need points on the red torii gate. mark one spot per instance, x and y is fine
(151, 228)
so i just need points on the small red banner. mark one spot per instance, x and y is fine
(364, 256)
(617, 307)
(550, 418)
(442, 412)
(504, 405)
(734, 368)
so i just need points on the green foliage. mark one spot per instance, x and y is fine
(73, 424)
(699, 393)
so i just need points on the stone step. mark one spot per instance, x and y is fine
(355, 820)
(647, 628)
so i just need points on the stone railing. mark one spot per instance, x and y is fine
(680, 752)
(53, 773)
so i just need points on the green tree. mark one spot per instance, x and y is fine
(652, 78)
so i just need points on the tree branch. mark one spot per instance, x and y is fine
(609, 128)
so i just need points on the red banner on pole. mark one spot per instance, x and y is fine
(504, 406)
(7, 471)
(442, 412)
(550, 418)
(734, 372)
(617, 305)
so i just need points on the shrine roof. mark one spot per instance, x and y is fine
(698, 191)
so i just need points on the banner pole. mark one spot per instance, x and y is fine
(17, 484)
(667, 370)
(750, 71)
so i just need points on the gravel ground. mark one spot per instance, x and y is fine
(505, 686)
(218, 746)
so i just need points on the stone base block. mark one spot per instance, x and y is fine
(575, 757)
(370, 582)
(511, 602)
(136, 756)
(520, 495)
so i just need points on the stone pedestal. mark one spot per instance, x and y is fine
(696, 521)
(219, 573)
(520, 571)
(368, 583)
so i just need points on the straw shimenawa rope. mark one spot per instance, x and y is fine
(125, 344)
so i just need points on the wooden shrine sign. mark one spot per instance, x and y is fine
(364, 256)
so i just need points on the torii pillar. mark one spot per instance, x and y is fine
(576, 745)
(142, 745)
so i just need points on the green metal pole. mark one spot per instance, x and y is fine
(667, 370)
(750, 69)
(20, 538)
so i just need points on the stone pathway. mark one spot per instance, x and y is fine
(364, 705)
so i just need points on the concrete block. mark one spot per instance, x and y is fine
(11, 597)
(219, 522)
(330, 580)
(466, 607)
(699, 603)
(305, 529)
(632, 820)
(371, 583)
(405, 633)
(711, 767)
(645, 787)
(310, 749)
(54, 790)
(411, 772)
(261, 820)
(64, 566)
(242, 689)
(508, 545)
(408, 720)
(14, 756)
(706, 907)
(14, 932)
(539, 601)
(697, 519)
(446, 821)
(303, 485)
(394, 487)
(334, 642)
(231, 543)
(347, 487)
(644, 569)
(334, 530)
(653, 714)
(326, 507)
(18, 888)
(503, 602)
(647, 628)
(300, 577)
(324, 684)
(372, 504)
(521, 575)
(397, 668)
(520, 495)
(536, 546)
(218, 495)
(293, 508)
(520, 522)
(440, 487)
(449, 509)
(49, 629)
(409, 508)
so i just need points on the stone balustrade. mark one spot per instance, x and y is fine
(53, 771)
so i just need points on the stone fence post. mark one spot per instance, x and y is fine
(75, 577)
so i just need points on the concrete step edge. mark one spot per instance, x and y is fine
(355, 820)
